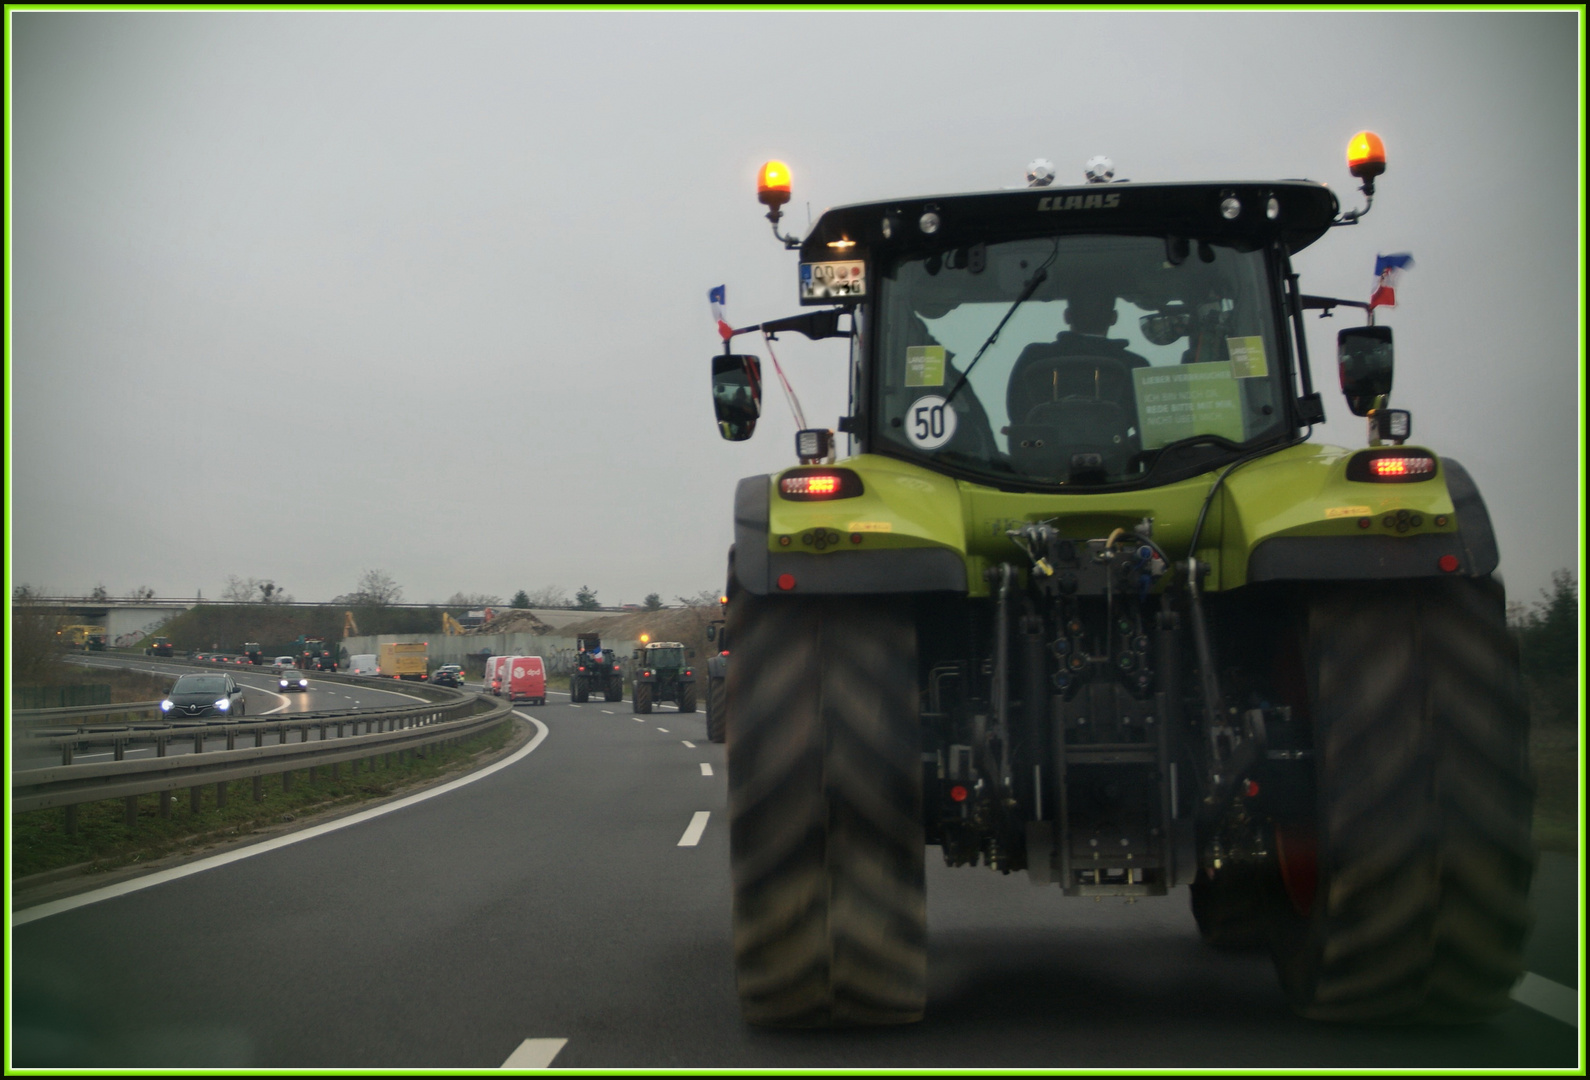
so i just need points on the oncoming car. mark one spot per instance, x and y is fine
(283, 663)
(203, 695)
(291, 680)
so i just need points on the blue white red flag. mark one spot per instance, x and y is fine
(725, 331)
(1388, 269)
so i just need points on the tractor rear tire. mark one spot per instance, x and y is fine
(715, 709)
(615, 688)
(1423, 813)
(643, 697)
(826, 838)
(687, 697)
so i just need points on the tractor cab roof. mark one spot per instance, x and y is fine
(664, 645)
(1245, 214)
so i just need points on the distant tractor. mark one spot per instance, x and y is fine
(596, 670)
(717, 680)
(661, 674)
(252, 652)
(160, 647)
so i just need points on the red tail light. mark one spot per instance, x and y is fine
(806, 486)
(1397, 466)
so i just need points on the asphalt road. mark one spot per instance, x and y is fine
(555, 910)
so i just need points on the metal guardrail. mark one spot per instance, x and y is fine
(385, 733)
(36, 717)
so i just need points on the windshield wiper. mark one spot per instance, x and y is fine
(1039, 276)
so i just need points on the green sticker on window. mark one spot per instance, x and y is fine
(1189, 399)
(924, 365)
(1247, 357)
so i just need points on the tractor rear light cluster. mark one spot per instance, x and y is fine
(811, 485)
(1391, 467)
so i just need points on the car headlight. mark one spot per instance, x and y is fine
(224, 704)
(304, 683)
(166, 705)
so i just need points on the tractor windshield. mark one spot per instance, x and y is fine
(666, 658)
(1125, 345)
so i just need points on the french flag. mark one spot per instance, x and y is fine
(725, 331)
(1388, 268)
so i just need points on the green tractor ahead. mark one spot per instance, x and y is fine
(662, 672)
(596, 671)
(1094, 607)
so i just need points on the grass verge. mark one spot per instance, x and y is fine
(103, 841)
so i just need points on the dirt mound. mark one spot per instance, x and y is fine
(511, 622)
(687, 625)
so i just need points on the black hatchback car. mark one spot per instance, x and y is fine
(203, 695)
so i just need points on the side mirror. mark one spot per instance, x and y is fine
(1364, 359)
(736, 395)
(712, 633)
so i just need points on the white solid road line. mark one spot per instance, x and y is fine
(535, 1054)
(1552, 998)
(706, 769)
(697, 826)
(42, 911)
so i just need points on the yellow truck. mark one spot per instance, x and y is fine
(404, 660)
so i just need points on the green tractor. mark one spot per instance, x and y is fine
(1084, 601)
(662, 672)
(596, 670)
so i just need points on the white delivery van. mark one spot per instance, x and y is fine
(363, 664)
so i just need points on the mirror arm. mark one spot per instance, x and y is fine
(1324, 304)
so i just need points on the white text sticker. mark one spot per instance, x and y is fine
(929, 422)
(1247, 357)
(924, 365)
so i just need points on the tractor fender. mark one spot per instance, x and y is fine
(841, 573)
(1358, 558)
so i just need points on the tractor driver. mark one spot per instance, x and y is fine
(1040, 374)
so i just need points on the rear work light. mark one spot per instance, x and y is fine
(1391, 466)
(811, 485)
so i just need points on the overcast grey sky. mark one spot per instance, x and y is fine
(300, 294)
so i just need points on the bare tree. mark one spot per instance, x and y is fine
(99, 593)
(548, 596)
(142, 592)
(473, 600)
(704, 598)
(377, 589)
(238, 591)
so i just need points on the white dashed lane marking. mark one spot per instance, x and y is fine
(706, 769)
(1552, 998)
(688, 743)
(535, 1054)
(697, 826)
